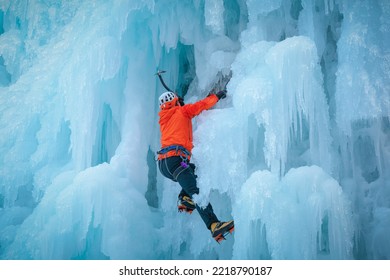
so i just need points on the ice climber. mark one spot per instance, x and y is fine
(175, 154)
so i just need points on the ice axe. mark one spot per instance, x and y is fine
(159, 72)
(222, 82)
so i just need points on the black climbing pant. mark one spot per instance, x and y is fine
(171, 168)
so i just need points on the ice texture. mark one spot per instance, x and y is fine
(298, 154)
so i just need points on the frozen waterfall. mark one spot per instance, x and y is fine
(298, 154)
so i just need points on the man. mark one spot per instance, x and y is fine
(175, 154)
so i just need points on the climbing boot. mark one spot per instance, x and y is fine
(185, 204)
(220, 229)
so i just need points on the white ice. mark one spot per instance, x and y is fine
(297, 154)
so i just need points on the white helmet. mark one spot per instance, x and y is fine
(166, 98)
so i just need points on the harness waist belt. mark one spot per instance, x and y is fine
(176, 148)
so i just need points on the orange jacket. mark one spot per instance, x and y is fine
(176, 125)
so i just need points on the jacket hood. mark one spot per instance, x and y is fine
(167, 114)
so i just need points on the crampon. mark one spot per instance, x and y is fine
(182, 208)
(185, 204)
(221, 230)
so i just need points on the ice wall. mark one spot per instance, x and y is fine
(362, 86)
(302, 216)
(297, 153)
(75, 104)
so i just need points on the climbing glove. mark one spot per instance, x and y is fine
(221, 94)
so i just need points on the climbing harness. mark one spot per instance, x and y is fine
(180, 151)
(183, 153)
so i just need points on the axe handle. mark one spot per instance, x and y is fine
(163, 83)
